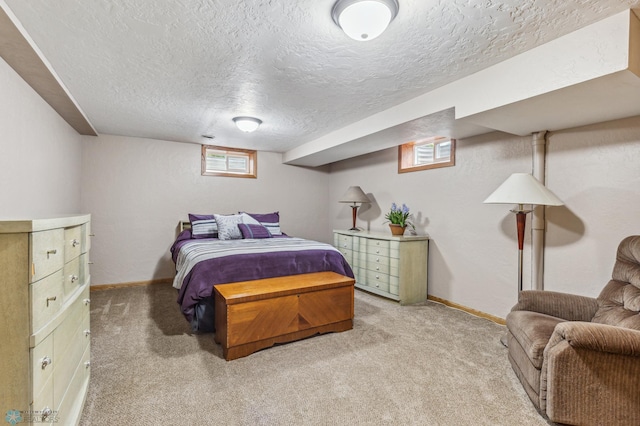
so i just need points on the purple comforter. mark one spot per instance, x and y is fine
(255, 262)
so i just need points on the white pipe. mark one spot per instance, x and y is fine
(539, 144)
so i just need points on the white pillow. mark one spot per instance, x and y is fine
(249, 220)
(228, 226)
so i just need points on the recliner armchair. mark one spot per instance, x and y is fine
(578, 358)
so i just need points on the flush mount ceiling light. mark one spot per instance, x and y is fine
(364, 20)
(247, 124)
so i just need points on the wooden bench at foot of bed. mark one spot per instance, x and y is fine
(253, 315)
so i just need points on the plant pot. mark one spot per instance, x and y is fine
(396, 229)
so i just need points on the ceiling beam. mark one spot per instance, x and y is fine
(19, 51)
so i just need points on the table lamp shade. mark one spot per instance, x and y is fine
(522, 188)
(354, 194)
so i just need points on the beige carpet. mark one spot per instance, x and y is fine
(400, 365)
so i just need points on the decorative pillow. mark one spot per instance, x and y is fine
(248, 219)
(250, 231)
(269, 220)
(228, 226)
(203, 226)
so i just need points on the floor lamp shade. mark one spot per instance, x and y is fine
(354, 195)
(521, 189)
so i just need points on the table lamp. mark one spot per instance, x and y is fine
(354, 195)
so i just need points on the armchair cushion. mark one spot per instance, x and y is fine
(619, 305)
(532, 331)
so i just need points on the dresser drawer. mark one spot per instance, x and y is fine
(84, 268)
(377, 280)
(378, 263)
(46, 300)
(42, 364)
(86, 237)
(43, 402)
(343, 241)
(348, 255)
(46, 253)
(72, 242)
(72, 401)
(380, 247)
(74, 330)
(64, 370)
(71, 278)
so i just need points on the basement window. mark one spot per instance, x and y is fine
(230, 162)
(430, 153)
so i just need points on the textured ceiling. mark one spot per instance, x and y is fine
(175, 70)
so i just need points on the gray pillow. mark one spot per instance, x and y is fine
(228, 226)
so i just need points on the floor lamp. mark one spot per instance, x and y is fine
(521, 189)
(354, 195)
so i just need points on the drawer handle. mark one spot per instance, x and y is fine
(73, 278)
(51, 299)
(46, 413)
(87, 301)
(377, 251)
(87, 364)
(46, 361)
(75, 243)
(377, 277)
(87, 332)
(377, 268)
(49, 252)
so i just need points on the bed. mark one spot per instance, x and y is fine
(203, 260)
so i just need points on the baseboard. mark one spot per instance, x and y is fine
(480, 314)
(131, 284)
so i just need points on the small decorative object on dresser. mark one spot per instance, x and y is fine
(387, 265)
(399, 219)
(397, 229)
(44, 276)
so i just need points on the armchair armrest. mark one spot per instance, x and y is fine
(569, 307)
(597, 337)
(590, 375)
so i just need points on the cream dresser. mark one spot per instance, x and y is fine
(44, 312)
(387, 265)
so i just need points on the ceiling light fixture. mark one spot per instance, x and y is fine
(247, 124)
(364, 20)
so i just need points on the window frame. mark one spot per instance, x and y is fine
(250, 153)
(406, 155)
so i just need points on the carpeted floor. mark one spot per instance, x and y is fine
(400, 365)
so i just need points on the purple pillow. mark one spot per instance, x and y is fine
(270, 220)
(250, 230)
(203, 226)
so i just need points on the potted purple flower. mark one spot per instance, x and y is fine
(398, 218)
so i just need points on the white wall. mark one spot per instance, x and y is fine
(139, 189)
(595, 170)
(39, 154)
(473, 247)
